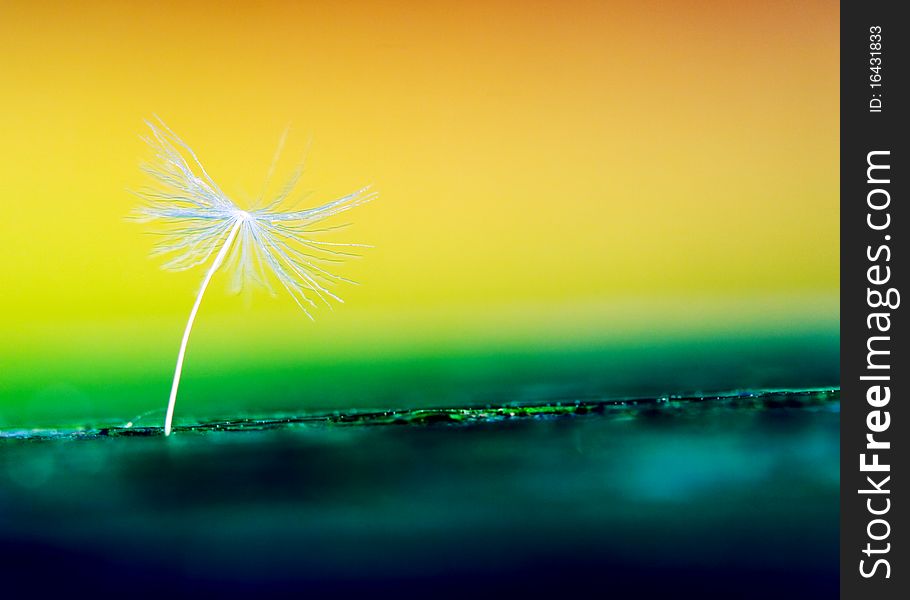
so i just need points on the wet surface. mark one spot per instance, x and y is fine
(733, 495)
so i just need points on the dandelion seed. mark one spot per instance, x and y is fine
(199, 220)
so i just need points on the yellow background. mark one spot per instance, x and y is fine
(548, 171)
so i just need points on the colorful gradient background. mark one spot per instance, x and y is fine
(576, 197)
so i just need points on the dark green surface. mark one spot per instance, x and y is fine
(738, 490)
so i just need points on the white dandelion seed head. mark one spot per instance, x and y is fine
(195, 219)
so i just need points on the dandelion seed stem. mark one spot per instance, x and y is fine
(219, 259)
